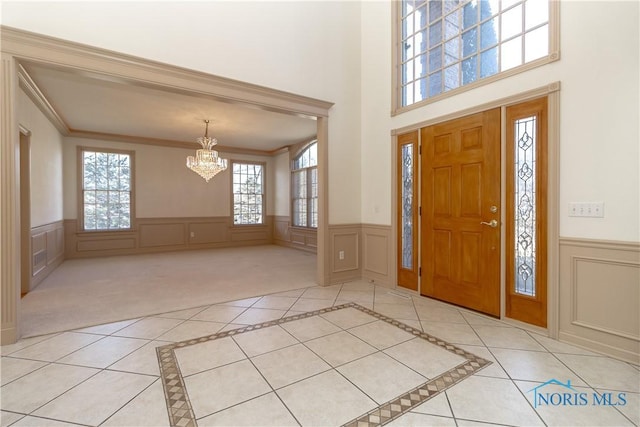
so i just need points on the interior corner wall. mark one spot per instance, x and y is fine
(599, 109)
(282, 181)
(304, 47)
(164, 187)
(46, 163)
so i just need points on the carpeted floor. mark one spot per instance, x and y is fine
(87, 292)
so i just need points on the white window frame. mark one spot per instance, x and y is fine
(263, 194)
(82, 190)
(311, 221)
(397, 45)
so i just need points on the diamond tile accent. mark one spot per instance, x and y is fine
(181, 412)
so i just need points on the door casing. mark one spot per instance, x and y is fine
(552, 91)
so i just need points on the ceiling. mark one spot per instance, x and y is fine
(90, 104)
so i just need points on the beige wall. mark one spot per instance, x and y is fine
(165, 188)
(46, 163)
(282, 180)
(310, 48)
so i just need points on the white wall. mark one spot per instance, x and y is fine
(598, 71)
(46, 163)
(305, 47)
(164, 186)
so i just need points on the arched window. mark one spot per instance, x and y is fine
(304, 187)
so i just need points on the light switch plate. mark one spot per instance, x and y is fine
(587, 209)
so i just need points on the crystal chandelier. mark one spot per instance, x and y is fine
(206, 162)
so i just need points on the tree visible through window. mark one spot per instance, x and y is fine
(304, 187)
(106, 190)
(248, 193)
(446, 44)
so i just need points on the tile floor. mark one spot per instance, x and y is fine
(338, 364)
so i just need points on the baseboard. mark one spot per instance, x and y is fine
(599, 347)
(599, 296)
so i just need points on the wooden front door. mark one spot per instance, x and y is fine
(461, 211)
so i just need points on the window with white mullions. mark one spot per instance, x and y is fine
(106, 190)
(248, 193)
(447, 44)
(304, 187)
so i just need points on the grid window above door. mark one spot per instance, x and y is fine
(444, 45)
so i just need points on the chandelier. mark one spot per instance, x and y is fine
(206, 162)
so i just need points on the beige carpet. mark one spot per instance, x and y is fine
(87, 292)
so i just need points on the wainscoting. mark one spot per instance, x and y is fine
(357, 250)
(164, 234)
(378, 254)
(361, 251)
(346, 259)
(294, 237)
(599, 296)
(47, 251)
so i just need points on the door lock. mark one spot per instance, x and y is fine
(493, 209)
(493, 223)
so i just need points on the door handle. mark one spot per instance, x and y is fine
(493, 223)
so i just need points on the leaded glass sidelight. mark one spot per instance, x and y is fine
(525, 206)
(407, 206)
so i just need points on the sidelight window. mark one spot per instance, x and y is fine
(525, 206)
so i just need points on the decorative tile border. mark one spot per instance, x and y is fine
(181, 414)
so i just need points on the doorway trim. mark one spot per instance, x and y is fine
(552, 91)
(22, 46)
(25, 210)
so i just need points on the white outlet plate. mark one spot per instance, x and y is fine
(587, 209)
(341, 255)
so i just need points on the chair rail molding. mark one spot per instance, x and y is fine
(599, 295)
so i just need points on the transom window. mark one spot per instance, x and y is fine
(107, 191)
(304, 187)
(445, 45)
(248, 193)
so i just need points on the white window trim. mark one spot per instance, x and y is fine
(396, 66)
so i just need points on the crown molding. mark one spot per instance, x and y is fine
(119, 67)
(40, 100)
(157, 142)
(28, 47)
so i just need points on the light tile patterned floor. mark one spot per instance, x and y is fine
(331, 367)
